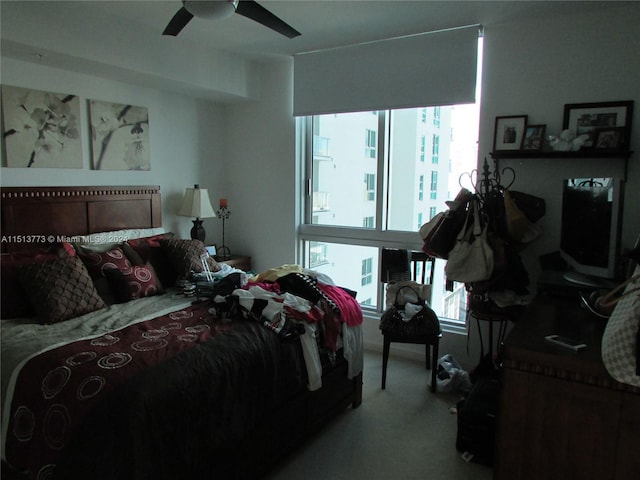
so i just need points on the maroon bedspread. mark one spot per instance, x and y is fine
(55, 390)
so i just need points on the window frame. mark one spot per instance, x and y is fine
(378, 236)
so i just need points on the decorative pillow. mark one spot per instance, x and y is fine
(147, 251)
(60, 289)
(185, 255)
(148, 242)
(139, 282)
(98, 262)
(14, 301)
(68, 249)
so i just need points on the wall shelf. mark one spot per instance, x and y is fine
(551, 154)
(538, 154)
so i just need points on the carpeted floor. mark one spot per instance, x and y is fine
(402, 432)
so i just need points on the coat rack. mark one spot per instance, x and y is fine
(489, 181)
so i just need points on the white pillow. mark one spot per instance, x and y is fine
(105, 241)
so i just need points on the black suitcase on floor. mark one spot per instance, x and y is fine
(477, 416)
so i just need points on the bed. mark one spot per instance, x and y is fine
(110, 371)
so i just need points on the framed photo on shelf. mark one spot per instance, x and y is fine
(612, 119)
(533, 137)
(509, 133)
(610, 138)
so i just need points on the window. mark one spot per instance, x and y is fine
(370, 182)
(367, 271)
(434, 185)
(351, 207)
(370, 150)
(320, 146)
(435, 150)
(317, 254)
(381, 202)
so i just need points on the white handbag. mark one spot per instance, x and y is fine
(471, 259)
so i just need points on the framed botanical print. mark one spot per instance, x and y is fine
(41, 129)
(119, 136)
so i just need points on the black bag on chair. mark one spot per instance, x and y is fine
(397, 321)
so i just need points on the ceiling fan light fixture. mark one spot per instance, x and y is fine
(215, 9)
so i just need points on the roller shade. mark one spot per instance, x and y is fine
(437, 68)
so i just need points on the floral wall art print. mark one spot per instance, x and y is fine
(119, 136)
(41, 129)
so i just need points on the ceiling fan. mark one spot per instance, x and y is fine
(223, 9)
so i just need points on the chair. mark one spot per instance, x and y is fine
(420, 268)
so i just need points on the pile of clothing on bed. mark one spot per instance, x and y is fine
(295, 302)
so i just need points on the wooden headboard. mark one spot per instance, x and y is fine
(32, 216)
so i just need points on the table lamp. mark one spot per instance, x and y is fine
(196, 203)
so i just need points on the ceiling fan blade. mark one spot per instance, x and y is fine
(178, 22)
(256, 12)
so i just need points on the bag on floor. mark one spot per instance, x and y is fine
(477, 420)
(450, 376)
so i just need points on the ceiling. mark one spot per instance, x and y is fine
(324, 24)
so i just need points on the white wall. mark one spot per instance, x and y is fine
(261, 180)
(186, 139)
(537, 67)
(532, 67)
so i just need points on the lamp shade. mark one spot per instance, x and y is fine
(196, 203)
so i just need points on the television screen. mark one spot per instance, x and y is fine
(590, 228)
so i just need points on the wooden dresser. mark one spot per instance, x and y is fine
(562, 416)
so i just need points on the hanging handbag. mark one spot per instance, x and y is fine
(517, 224)
(533, 207)
(428, 231)
(409, 319)
(471, 259)
(439, 234)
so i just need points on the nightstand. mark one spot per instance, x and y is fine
(240, 262)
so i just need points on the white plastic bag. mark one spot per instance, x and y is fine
(450, 376)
